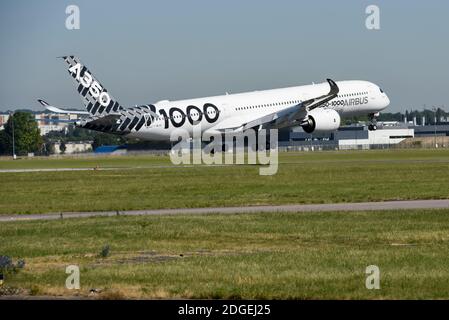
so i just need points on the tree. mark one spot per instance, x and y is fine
(3, 142)
(26, 134)
(48, 147)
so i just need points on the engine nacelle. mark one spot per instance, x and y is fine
(322, 120)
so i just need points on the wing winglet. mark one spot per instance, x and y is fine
(319, 101)
(334, 88)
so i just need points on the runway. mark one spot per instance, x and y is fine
(298, 208)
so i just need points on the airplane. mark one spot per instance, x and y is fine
(315, 107)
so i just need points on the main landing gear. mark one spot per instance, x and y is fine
(373, 122)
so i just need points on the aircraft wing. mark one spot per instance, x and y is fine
(94, 123)
(289, 116)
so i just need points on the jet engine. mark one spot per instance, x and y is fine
(321, 120)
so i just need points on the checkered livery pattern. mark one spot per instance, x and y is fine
(126, 121)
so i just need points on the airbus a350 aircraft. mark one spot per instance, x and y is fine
(316, 107)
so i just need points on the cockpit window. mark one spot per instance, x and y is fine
(381, 90)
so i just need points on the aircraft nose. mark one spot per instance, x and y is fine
(387, 101)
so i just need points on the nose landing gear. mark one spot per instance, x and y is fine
(373, 121)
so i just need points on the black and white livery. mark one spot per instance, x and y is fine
(315, 107)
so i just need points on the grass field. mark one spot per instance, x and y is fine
(151, 182)
(270, 255)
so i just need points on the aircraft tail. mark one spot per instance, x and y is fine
(97, 100)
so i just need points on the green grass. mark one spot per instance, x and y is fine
(150, 182)
(269, 255)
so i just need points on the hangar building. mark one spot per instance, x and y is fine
(349, 137)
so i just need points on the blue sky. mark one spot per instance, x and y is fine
(145, 51)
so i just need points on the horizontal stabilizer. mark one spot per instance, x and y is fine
(58, 110)
(108, 120)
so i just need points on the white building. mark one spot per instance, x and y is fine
(52, 121)
(3, 119)
(73, 147)
(350, 137)
(384, 136)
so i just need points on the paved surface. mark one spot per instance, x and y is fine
(44, 170)
(361, 206)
